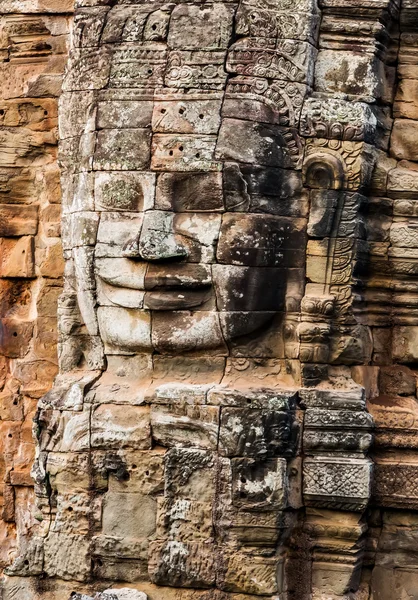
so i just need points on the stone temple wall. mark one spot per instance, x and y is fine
(234, 414)
(33, 50)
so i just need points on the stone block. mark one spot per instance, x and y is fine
(184, 520)
(183, 192)
(15, 336)
(406, 103)
(124, 114)
(403, 139)
(187, 114)
(185, 425)
(259, 484)
(120, 229)
(321, 214)
(78, 193)
(402, 183)
(17, 220)
(118, 426)
(88, 69)
(121, 272)
(128, 515)
(17, 257)
(259, 144)
(80, 229)
(282, 400)
(405, 344)
(333, 482)
(124, 330)
(394, 483)
(124, 149)
(186, 32)
(140, 66)
(354, 73)
(277, 22)
(124, 191)
(136, 471)
(247, 573)
(67, 556)
(289, 60)
(338, 119)
(261, 241)
(182, 564)
(182, 331)
(257, 433)
(265, 101)
(183, 153)
(397, 380)
(230, 278)
(190, 474)
(196, 69)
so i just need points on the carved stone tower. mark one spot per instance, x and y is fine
(234, 413)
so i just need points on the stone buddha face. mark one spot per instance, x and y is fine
(198, 213)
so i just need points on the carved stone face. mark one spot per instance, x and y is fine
(197, 210)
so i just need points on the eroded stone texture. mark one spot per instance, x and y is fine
(33, 50)
(237, 325)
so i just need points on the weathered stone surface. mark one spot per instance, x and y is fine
(403, 139)
(239, 314)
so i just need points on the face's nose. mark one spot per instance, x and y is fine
(157, 240)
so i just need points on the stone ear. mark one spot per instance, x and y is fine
(323, 171)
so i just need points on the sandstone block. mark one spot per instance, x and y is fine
(187, 114)
(182, 331)
(124, 191)
(257, 433)
(259, 144)
(121, 272)
(188, 69)
(337, 482)
(183, 192)
(184, 520)
(117, 426)
(185, 426)
(406, 103)
(355, 74)
(16, 220)
(17, 257)
(182, 564)
(261, 240)
(89, 69)
(402, 183)
(15, 336)
(259, 485)
(124, 114)
(184, 153)
(124, 330)
(124, 149)
(403, 141)
(128, 515)
(290, 60)
(67, 556)
(228, 278)
(249, 574)
(186, 33)
(119, 229)
(190, 474)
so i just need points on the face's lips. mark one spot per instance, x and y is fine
(156, 287)
(186, 276)
(180, 299)
(125, 273)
